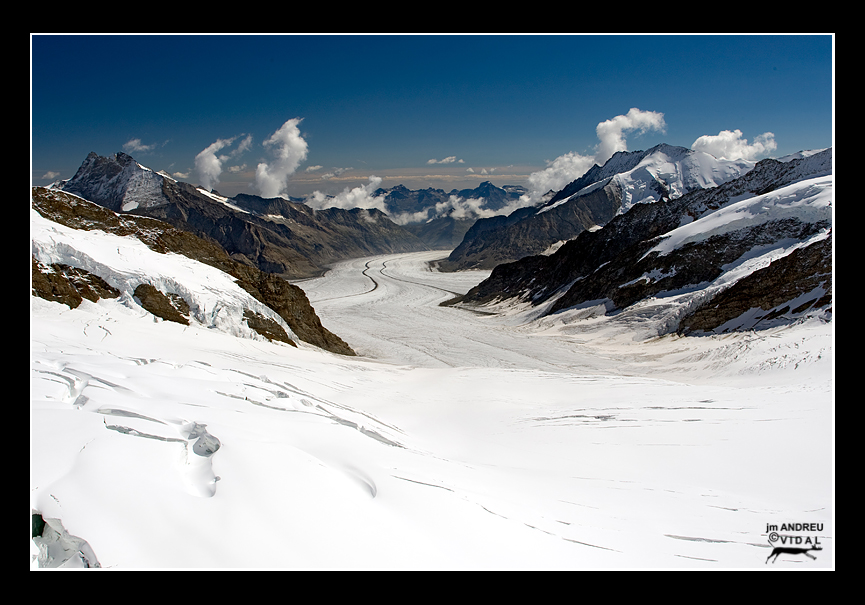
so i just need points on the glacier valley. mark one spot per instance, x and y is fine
(488, 438)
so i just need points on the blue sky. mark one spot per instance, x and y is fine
(499, 107)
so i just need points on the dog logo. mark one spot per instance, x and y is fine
(790, 550)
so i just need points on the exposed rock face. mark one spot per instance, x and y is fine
(170, 307)
(632, 277)
(68, 285)
(287, 300)
(245, 237)
(613, 264)
(118, 182)
(786, 289)
(266, 327)
(527, 231)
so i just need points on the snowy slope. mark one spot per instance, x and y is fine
(216, 301)
(809, 201)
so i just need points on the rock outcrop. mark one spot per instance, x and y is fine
(68, 285)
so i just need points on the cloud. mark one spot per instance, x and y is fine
(612, 132)
(458, 207)
(136, 146)
(729, 145)
(208, 166)
(245, 145)
(558, 173)
(448, 160)
(358, 197)
(51, 174)
(313, 168)
(334, 173)
(455, 207)
(572, 165)
(290, 150)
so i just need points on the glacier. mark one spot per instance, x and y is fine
(456, 440)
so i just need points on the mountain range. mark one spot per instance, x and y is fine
(181, 391)
(592, 245)
(276, 235)
(284, 235)
(754, 250)
(663, 172)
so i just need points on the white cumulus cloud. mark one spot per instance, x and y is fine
(559, 173)
(729, 145)
(208, 166)
(458, 207)
(612, 132)
(289, 149)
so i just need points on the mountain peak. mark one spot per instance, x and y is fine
(117, 182)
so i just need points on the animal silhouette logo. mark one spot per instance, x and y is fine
(791, 550)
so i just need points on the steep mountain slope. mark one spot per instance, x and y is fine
(67, 269)
(702, 243)
(276, 236)
(663, 172)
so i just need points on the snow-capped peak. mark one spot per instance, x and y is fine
(671, 172)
